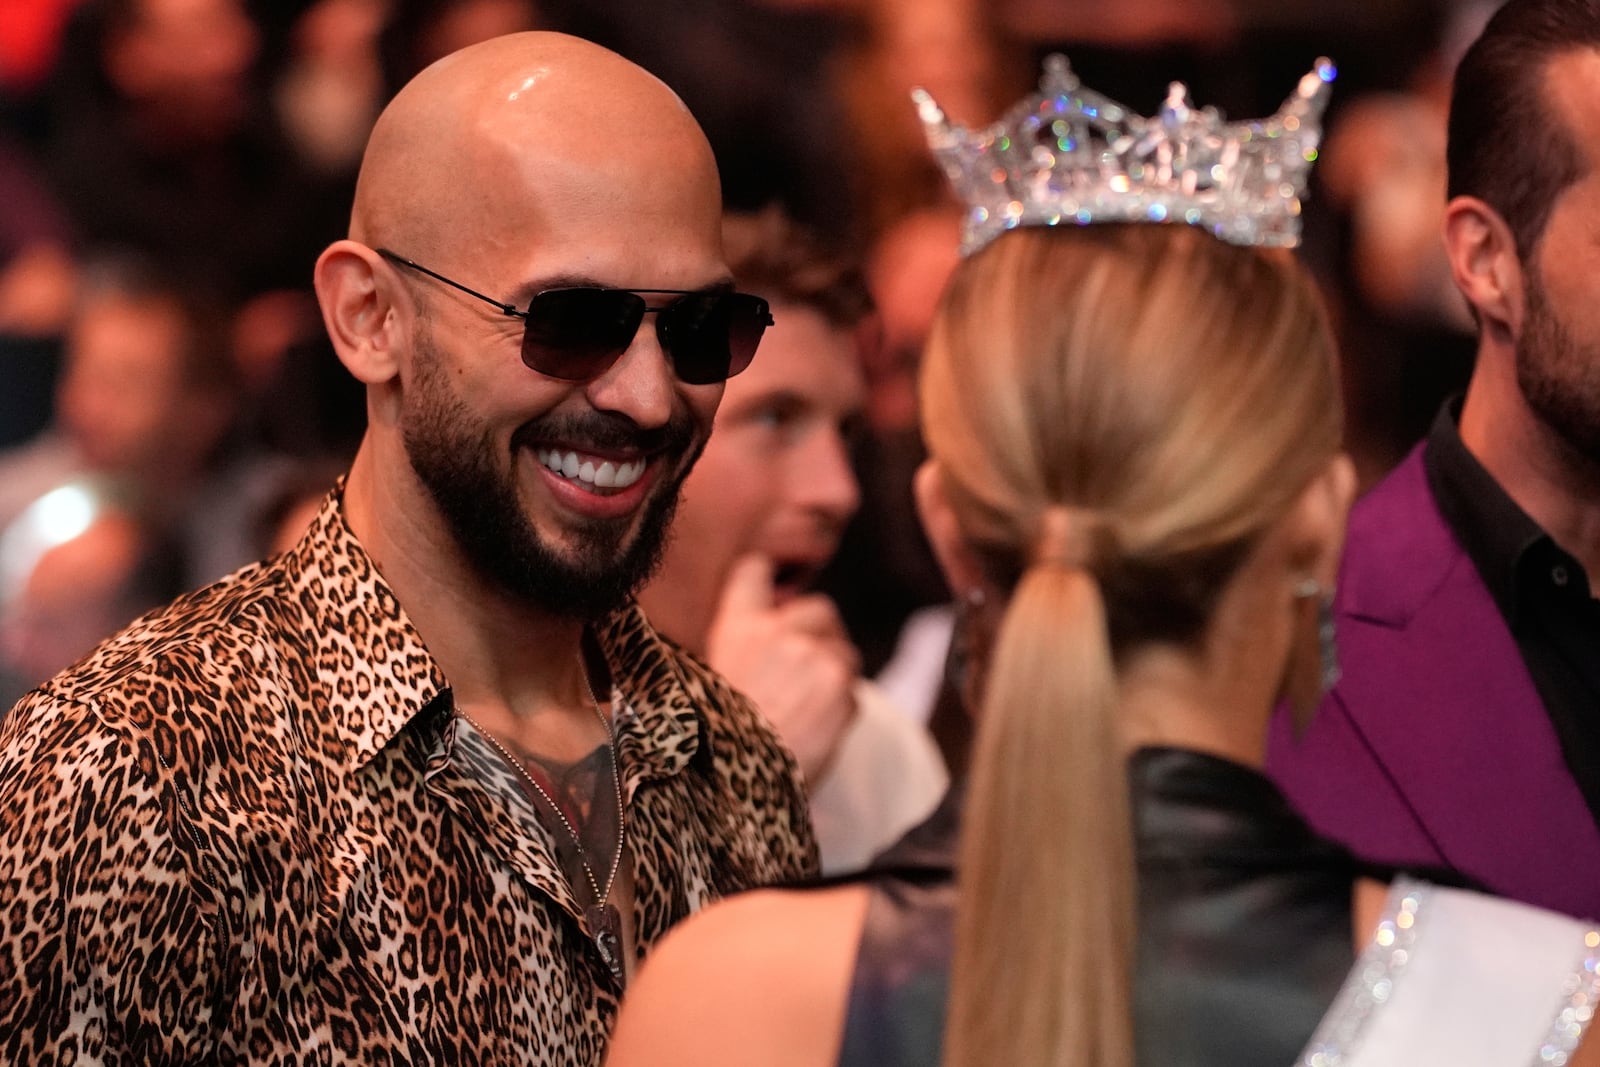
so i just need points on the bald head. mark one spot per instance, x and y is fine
(488, 139)
(525, 164)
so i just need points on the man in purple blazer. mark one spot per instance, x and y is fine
(1466, 728)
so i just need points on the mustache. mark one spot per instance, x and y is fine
(602, 431)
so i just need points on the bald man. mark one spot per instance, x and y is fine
(424, 788)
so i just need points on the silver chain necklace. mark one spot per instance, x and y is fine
(601, 917)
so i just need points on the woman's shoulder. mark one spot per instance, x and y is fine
(765, 970)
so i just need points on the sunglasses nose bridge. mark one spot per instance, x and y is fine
(627, 318)
(632, 328)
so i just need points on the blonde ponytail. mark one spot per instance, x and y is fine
(1045, 927)
(1116, 413)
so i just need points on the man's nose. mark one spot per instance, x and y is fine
(641, 384)
(827, 478)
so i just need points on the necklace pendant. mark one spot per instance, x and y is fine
(605, 930)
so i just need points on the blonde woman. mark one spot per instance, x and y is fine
(1136, 489)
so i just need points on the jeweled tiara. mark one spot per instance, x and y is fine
(1069, 156)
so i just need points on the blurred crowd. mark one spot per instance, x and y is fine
(170, 169)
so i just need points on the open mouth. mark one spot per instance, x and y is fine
(595, 474)
(793, 578)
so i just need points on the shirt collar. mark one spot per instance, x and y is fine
(375, 674)
(1501, 539)
(369, 665)
(659, 726)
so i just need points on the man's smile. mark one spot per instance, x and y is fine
(592, 472)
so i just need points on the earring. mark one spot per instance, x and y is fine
(1327, 633)
(969, 647)
(1305, 694)
(1328, 644)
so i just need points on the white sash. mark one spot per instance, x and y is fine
(1465, 980)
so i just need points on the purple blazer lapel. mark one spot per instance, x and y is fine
(1435, 683)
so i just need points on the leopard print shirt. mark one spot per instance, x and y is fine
(250, 829)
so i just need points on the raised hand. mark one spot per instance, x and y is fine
(793, 659)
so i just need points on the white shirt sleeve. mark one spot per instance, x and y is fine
(886, 777)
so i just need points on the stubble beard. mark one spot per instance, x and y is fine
(1559, 377)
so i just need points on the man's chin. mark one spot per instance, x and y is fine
(595, 571)
(583, 541)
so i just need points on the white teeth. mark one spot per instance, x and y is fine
(602, 474)
(628, 473)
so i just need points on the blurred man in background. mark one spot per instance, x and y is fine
(761, 517)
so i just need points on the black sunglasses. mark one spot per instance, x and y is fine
(576, 333)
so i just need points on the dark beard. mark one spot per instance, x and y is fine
(479, 502)
(1560, 379)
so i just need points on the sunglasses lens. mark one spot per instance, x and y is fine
(575, 334)
(713, 336)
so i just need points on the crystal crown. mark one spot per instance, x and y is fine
(1069, 155)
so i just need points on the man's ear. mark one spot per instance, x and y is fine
(1484, 263)
(956, 558)
(359, 298)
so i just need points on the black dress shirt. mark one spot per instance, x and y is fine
(1541, 590)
